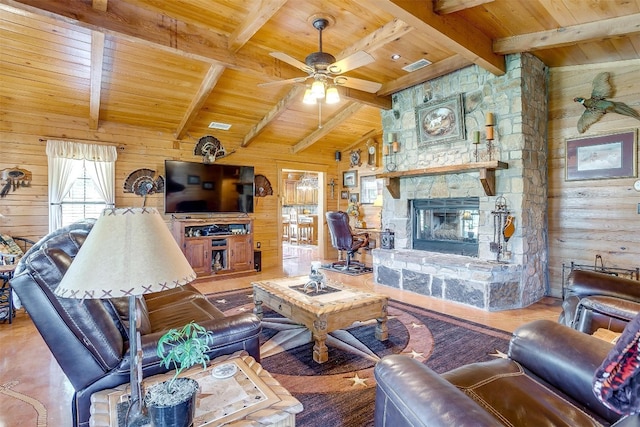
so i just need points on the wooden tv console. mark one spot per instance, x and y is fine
(216, 247)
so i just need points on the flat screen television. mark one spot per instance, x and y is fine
(207, 188)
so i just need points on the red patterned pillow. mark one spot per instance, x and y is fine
(617, 381)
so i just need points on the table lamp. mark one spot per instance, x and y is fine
(129, 252)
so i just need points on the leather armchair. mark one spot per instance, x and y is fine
(545, 380)
(594, 300)
(89, 338)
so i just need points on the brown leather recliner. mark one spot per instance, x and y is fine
(594, 300)
(546, 380)
(89, 338)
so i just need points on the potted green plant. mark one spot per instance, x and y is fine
(173, 402)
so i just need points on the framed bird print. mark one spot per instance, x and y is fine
(602, 156)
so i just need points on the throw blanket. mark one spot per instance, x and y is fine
(617, 381)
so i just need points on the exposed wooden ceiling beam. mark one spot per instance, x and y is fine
(257, 17)
(100, 5)
(342, 115)
(430, 72)
(97, 62)
(207, 85)
(389, 32)
(278, 109)
(444, 7)
(373, 133)
(592, 31)
(148, 28)
(367, 98)
(453, 33)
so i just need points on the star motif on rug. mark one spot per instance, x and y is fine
(499, 355)
(414, 354)
(221, 301)
(415, 325)
(358, 381)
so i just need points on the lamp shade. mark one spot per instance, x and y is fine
(317, 88)
(129, 251)
(333, 97)
(379, 201)
(309, 97)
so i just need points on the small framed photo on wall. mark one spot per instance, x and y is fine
(350, 178)
(354, 197)
(344, 195)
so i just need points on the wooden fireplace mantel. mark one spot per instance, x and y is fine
(487, 171)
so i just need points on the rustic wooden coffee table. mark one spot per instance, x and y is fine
(323, 312)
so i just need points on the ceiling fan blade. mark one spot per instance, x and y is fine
(284, 82)
(292, 61)
(359, 84)
(351, 62)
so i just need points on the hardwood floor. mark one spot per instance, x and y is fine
(28, 370)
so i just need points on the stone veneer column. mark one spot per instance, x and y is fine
(518, 101)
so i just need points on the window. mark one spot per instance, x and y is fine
(83, 200)
(81, 180)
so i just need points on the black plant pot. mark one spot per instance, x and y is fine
(180, 414)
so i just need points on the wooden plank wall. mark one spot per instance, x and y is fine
(25, 210)
(370, 214)
(594, 217)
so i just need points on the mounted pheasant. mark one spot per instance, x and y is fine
(597, 106)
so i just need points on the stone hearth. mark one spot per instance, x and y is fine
(488, 285)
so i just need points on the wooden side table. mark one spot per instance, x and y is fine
(251, 397)
(6, 293)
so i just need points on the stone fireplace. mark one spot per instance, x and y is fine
(466, 268)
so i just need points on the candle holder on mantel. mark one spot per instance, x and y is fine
(476, 142)
(389, 151)
(490, 123)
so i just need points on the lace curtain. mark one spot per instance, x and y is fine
(65, 165)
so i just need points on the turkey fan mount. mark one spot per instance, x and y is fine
(262, 186)
(144, 182)
(210, 148)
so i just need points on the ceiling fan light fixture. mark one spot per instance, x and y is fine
(309, 98)
(332, 97)
(318, 89)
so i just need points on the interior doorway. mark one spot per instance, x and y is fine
(302, 211)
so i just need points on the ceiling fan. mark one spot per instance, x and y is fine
(323, 67)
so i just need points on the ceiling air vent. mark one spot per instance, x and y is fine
(218, 125)
(421, 63)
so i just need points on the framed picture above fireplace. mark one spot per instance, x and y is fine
(440, 121)
(602, 156)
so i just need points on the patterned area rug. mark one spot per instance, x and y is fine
(350, 272)
(341, 392)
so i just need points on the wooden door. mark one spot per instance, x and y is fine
(241, 256)
(198, 253)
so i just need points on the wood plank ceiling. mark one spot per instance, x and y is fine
(179, 65)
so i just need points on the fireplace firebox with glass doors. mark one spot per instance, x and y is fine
(446, 225)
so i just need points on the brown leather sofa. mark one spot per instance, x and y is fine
(89, 338)
(546, 380)
(594, 300)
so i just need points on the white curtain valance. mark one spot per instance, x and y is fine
(80, 151)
